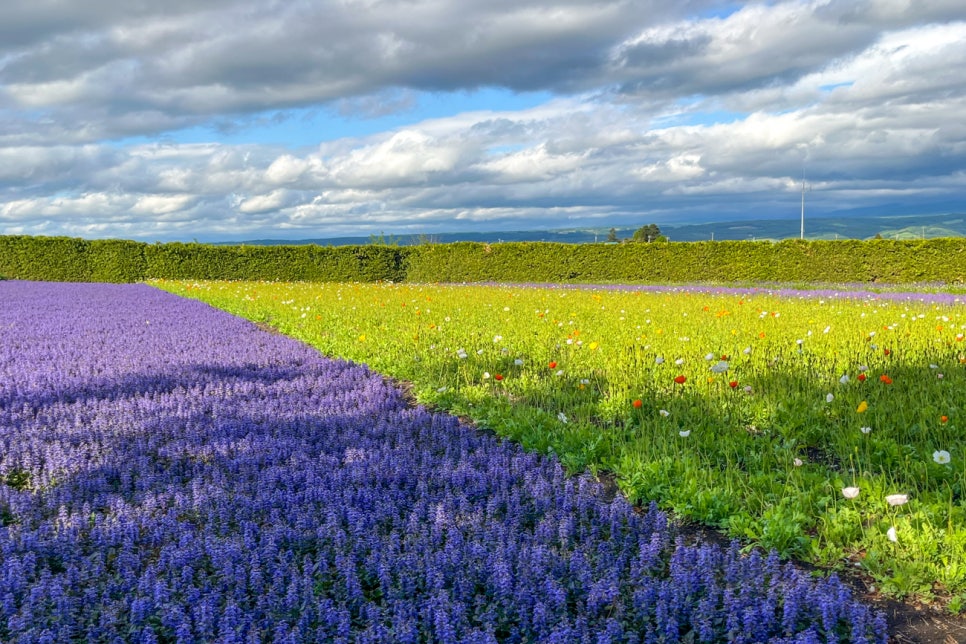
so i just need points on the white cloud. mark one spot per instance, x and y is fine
(658, 110)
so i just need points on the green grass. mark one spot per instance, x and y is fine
(762, 450)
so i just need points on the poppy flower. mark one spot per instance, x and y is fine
(944, 419)
(897, 499)
(638, 403)
(885, 379)
(498, 377)
(733, 384)
(850, 492)
(552, 365)
(886, 352)
(680, 380)
(861, 377)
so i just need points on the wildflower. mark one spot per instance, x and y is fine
(552, 365)
(944, 419)
(733, 384)
(885, 379)
(680, 379)
(850, 492)
(863, 367)
(941, 456)
(797, 462)
(664, 413)
(886, 352)
(498, 377)
(865, 430)
(497, 339)
(829, 398)
(747, 351)
(861, 377)
(709, 357)
(897, 499)
(863, 406)
(486, 375)
(562, 417)
(891, 534)
(684, 433)
(719, 367)
(638, 403)
(939, 376)
(559, 373)
(844, 379)
(441, 390)
(659, 360)
(679, 361)
(518, 362)
(593, 346)
(748, 389)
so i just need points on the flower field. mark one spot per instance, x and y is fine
(826, 425)
(171, 473)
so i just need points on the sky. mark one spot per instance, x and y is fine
(217, 120)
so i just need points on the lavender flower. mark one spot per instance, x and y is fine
(172, 473)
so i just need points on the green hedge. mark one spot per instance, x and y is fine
(876, 261)
(63, 259)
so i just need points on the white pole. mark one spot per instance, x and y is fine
(802, 234)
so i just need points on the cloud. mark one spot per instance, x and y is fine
(659, 111)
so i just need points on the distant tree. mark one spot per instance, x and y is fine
(648, 233)
(425, 240)
(612, 235)
(382, 240)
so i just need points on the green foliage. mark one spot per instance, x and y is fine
(648, 233)
(874, 261)
(791, 261)
(76, 260)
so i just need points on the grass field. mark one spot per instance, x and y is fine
(829, 428)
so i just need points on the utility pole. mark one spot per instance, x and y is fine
(802, 233)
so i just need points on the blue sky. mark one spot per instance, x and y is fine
(242, 119)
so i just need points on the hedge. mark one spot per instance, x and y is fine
(874, 261)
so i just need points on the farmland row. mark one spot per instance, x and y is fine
(171, 473)
(827, 427)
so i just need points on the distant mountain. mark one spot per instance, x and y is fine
(846, 225)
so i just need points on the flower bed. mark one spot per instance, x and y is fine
(172, 473)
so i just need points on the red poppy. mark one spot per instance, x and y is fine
(680, 380)
(733, 384)
(886, 351)
(886, 379)
(861, 377)
(944, 419)
(498, 377)
(637, 404)
(552, 365)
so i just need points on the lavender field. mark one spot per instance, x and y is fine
(171, 473)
